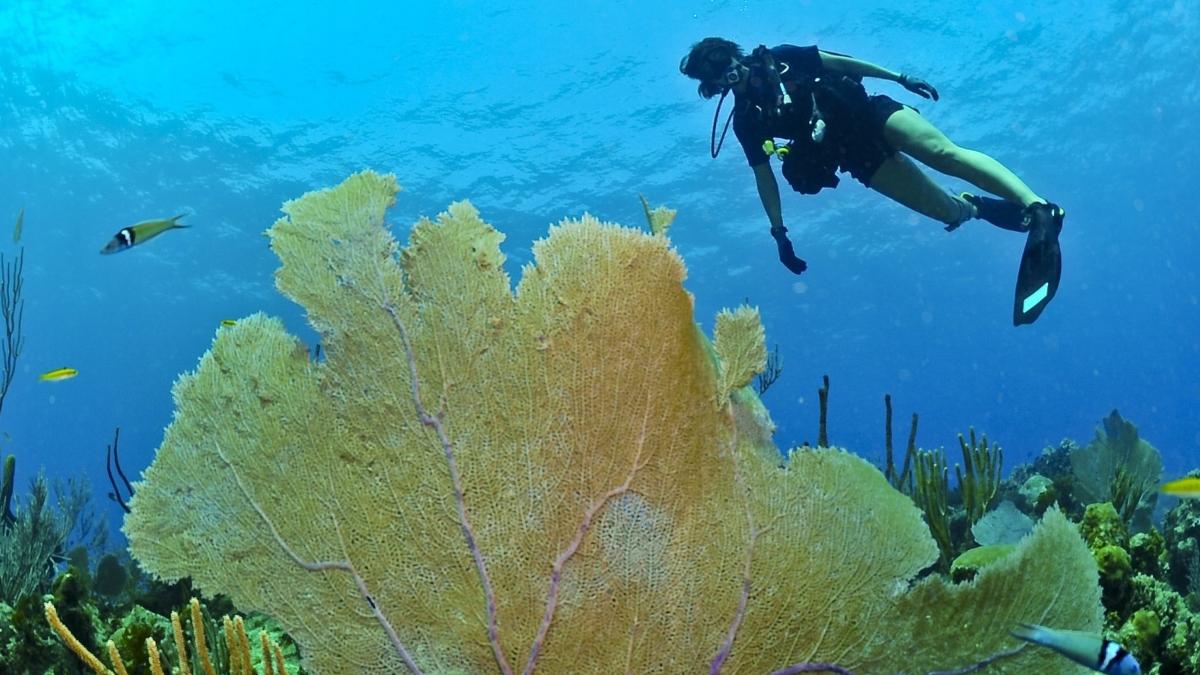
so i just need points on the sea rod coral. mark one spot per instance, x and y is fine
(567, 478)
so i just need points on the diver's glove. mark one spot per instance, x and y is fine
(918, 86)
(787, 255)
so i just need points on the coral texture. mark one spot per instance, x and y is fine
(567, 477)
(1120, 467)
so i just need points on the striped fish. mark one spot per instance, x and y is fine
(133, 235)
(1086, 649)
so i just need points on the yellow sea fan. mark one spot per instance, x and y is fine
(659, 218)
(741, 348)
(478, 479)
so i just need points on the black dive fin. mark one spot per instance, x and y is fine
(1041, 263)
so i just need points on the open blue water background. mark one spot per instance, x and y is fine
(111, 113)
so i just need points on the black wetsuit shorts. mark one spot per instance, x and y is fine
(864, 149)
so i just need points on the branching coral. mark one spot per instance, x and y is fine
(241, 657)
(932, 494)
(7, 517)
(12, 311)
(771, 371)
(902, 480)
(556, 479)
(979, 475)
(38, 531)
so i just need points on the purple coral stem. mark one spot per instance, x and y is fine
(468, 532)
(565, 555)
(727, 646)
(813, 668)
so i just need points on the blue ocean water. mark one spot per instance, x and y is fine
(539, 111)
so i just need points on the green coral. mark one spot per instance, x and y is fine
(979, 474)
(1181, 531)
(1039, 493)
(931, 494)
(1148, 550)
(1116, 573)
(136, 626)
(554, 477)
(38, 532)
(1104, 531)
(7, 517)
(1119, 467)
(1178, 650)
(111, 576)
(1102, 526)
(1141, 635)
(28, 645)
(967, 565)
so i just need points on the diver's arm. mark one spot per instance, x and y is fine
(848, 65)
(768, 192)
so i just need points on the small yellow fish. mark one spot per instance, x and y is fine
(1184, 488)
(19, 225)
(135, 234)
(228, 322)
(58, 374)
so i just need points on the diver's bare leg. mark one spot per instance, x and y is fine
(900, 179)
(907, 131)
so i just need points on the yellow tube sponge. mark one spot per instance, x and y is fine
(477, 479)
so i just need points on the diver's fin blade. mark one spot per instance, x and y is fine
(1041, 265)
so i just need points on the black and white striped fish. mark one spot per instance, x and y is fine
(1086, 649)
(133, 235)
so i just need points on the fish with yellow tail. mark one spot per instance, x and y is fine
(1086, 649)
(58, 374)
(1184, 488)
(131, 236)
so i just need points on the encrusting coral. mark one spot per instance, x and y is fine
(567, 478)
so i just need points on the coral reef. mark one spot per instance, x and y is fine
(39, 531)
(979, 475)
(966, 566)
(12, 311)
(1003, 525)
(7, 517)
(141, 644)
(1118, 467)
(1181, 532)
(561, 478)
(1173, 647)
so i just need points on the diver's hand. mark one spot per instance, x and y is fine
(787, 255)
(918, 86)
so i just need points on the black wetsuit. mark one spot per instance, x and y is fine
(854, 122)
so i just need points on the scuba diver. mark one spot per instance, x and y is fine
(815, 100)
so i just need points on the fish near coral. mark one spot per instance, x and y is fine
(133, 235)
(1184, 488)
(1086, 649)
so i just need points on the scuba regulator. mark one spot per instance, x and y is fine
(765, 84)
(772, 96)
